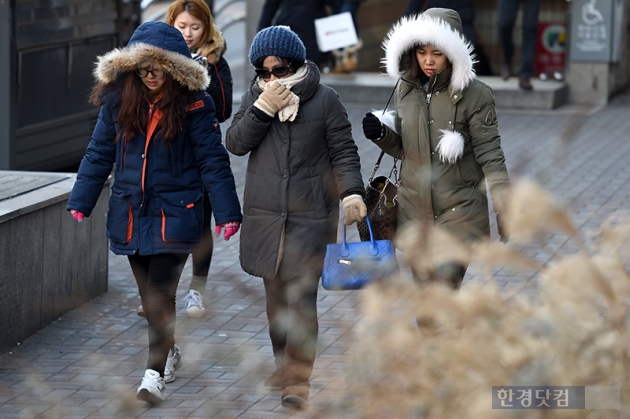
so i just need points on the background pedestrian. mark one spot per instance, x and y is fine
(507, 11)
(300, 17)
(194, 20)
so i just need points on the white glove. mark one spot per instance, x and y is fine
(354, 208)
(273, 99)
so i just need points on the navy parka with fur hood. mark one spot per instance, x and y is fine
(156, 200)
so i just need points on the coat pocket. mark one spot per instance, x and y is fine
(182, 215)
(120, 217)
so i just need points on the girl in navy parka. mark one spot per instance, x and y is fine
(158, 127)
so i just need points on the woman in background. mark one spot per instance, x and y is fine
(194, 20)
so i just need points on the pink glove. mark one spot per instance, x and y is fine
(78, 215)
(230, 229)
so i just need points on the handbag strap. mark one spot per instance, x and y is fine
(380, 157)
(345, 249)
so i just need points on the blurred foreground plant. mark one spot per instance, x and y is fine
(576, 333)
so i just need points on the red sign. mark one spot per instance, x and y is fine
(550, 50)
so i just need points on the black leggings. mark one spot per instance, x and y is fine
(157, 277)
(202, 254)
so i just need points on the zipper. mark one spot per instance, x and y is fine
(430, 92)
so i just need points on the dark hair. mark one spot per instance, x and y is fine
(133, 95)
(292, 64)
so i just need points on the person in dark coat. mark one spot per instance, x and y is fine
(158, 126)
(302, 161)
(300, 17)
(194, 20)
(445, 126)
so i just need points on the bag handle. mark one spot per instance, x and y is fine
(345, 249)
(380, 157)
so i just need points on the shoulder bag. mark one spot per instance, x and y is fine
(381, 200)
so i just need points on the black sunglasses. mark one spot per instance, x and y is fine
(263, 73)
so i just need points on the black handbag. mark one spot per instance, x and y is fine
(349, 266)
(381, 200)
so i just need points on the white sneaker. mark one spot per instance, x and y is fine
(173, 362)
(152, 388)
(194, 304)
(140, 311)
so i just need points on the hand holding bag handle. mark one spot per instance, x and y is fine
(345, 249)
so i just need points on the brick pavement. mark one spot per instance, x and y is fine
(89, 362)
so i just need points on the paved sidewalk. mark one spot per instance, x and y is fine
(89, 362)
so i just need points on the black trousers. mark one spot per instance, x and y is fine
(157, 277)
(450, 273)
(202, 254)
(507, 11)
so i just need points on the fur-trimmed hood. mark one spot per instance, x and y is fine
(154, 43)
(441, 28)
(214, 49)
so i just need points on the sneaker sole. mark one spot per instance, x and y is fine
(195, 314)
(147, 396)
(170, 379)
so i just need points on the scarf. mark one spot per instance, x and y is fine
(289, 112)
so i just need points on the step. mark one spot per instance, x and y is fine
(374, 89)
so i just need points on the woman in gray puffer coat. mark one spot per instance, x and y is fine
(445, 127)
(302, 161)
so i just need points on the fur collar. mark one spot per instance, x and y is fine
(439, 27)
(184, 70)
(214, 49)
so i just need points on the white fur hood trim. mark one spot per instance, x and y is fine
(433, 27)
(451, 146)
(184, 70)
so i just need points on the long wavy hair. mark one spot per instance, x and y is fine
(198, 9)
(134, 99)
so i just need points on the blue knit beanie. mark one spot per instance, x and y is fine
(277, 41)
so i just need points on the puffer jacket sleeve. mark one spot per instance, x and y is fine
(391, 143)
(342, 150)
(221, 86)
(486, 143)
(214, 164)
(246, 131)
(96, 164)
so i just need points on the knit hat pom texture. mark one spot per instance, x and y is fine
(277, 41)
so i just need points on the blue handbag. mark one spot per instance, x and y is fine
(349, 266)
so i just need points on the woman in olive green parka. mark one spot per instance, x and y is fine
(445, 127)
